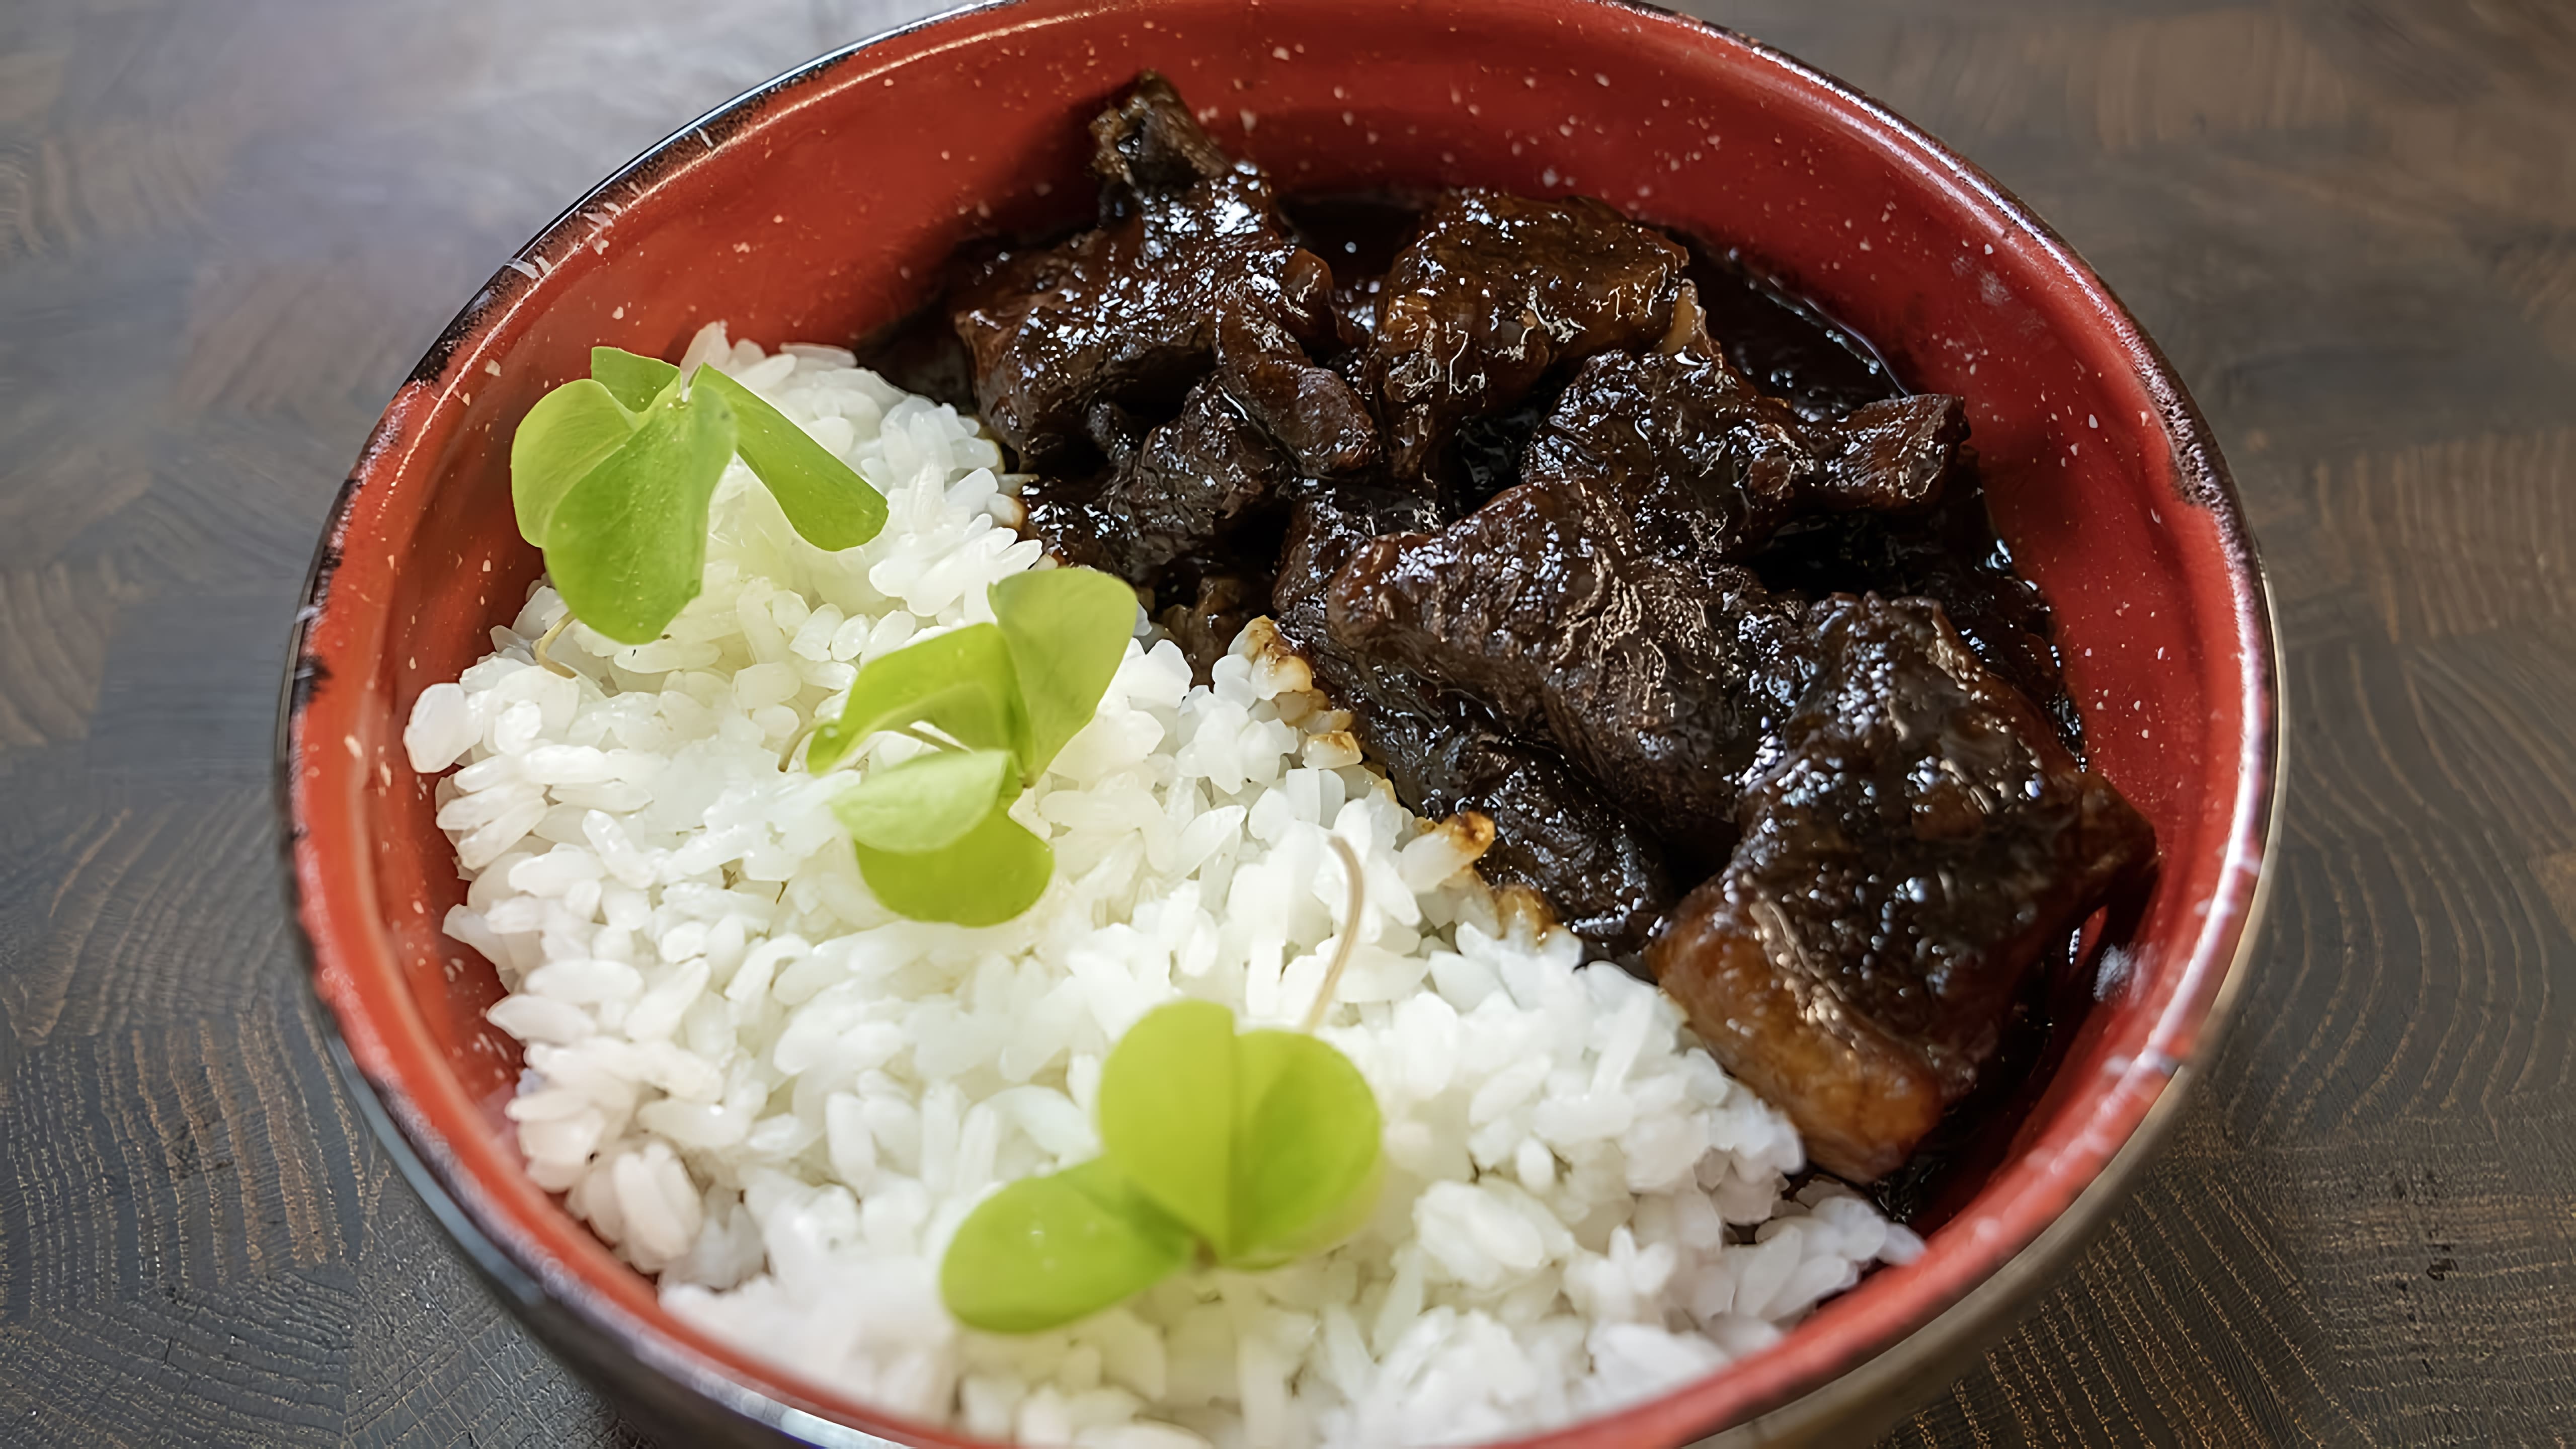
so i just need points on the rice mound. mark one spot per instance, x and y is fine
(762, 1087)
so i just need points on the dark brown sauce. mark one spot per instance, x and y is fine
(1984, 1128)
(1357, 235)
(1787, 345)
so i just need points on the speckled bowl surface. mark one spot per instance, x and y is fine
(820, 206)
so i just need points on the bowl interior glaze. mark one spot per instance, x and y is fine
(820, 208)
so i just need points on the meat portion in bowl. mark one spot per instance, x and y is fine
(1738, 672)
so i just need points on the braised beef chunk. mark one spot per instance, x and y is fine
(1130, 315)
(1154, 371)
(1192, 270)
(1149, 145)
(1656, 675)
(1888, 455)
(1184, 487)
(1325, 529)
(1705, 465)
(1949, 554)
(1601, 874)
(1495, 291)
(1916, 842)
(1478, 606)
(1311, 410)
(1554, 832)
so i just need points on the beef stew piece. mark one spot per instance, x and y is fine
(1599, 872)
(1149, 146)
(1950, 554)
(1553, 830)
(1917, 841)
(1704, 465)
(1494, 292)
(1081, 349)
(1183, 488)
(1657, 675)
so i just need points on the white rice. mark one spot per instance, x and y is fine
(759, 1085)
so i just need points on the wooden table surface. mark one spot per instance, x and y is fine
(227, 227)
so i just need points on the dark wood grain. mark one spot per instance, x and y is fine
(226, 230)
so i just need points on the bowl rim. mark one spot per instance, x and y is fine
(1819, 1386)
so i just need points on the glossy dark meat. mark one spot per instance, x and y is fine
(1494, 292)
(1704, 465)
(1149, 145)
(1359, 238)
(1079, 350)
(1948, 553)
(1599, 872)
(1656, 674)
(1182, 488)
(1554, 832)
(1916, 842)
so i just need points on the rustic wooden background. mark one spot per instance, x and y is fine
(228, 226)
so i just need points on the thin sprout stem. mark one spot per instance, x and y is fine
(1350, 933)
(553, 632)
(787, 756)
(805, 732)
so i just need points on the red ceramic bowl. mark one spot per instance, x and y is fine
(819, 206)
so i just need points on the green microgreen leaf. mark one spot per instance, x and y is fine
(1020, 686)
(982, 878)
(568, 433)
(926, 803)
(1045, 1251)
(1067, 628)
(627, 543)
(1264, 1144)
(1263, 1147)
(631, 378)
(961, 682)
(1305, 1163)
(1167, 1113)
(827, 502)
